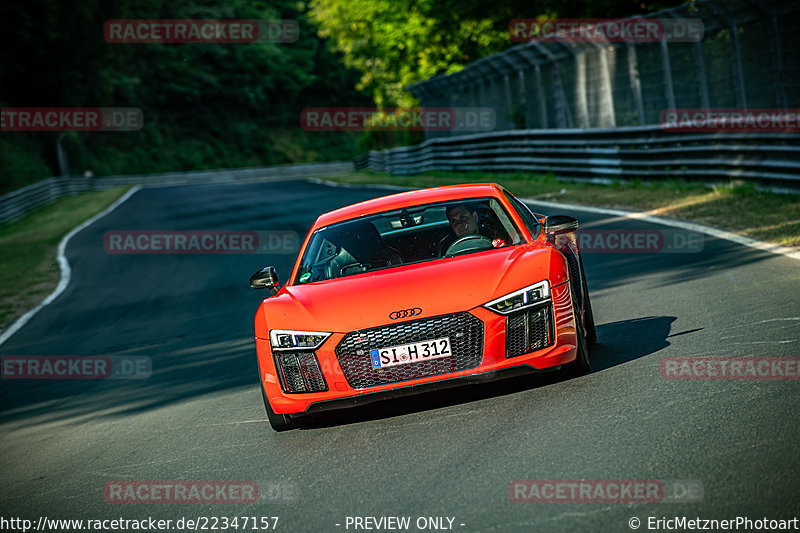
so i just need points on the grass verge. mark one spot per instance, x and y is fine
(736, 207)
(28, 265)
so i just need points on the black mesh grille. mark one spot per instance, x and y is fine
(301, 372)
(312, 373)
(528, 331)
(466, 341)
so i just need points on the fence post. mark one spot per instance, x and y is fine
(523, 98)
(564, 114)
(702, 85)
(63, 164)
(581, 103)
(741, 99)
(608, 94)
(537, 69)
(636, 83)
(665, 66)
(777, 62)
(509, 101)
(482, 91)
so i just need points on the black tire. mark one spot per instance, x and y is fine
(278, 422)
(581, 363)
(588, 315)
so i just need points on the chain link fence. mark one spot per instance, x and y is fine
(745, 60)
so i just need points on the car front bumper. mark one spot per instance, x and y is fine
(349, 385)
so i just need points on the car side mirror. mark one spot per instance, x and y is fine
(556, 224)
(266, 278)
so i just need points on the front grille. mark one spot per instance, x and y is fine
(300, 372)
(466, 341)
(529, 330)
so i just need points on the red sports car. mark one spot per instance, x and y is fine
(419, 290)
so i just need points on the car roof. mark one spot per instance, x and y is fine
(410, 198)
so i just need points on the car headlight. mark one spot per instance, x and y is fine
(525, 297)
(281, 339)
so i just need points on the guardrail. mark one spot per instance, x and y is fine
(15, 204)
(645, 152)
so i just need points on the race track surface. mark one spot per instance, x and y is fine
(199, 416)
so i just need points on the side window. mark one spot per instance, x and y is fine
(500, 216)
(530, 221)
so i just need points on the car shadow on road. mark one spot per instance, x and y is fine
(185, 371)
(617, 343)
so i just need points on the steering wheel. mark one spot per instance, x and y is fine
(468, 243)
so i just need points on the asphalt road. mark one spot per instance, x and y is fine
(449, 454)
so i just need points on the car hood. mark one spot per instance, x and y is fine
(436, 287)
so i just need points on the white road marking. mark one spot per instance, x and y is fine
(63, 264)
(691, 226)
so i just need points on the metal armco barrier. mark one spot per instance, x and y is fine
(15, 204)
(617, 153)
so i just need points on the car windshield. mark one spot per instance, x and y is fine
(403, 236)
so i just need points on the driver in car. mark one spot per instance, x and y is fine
(464, 221)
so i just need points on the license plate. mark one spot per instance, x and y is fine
(411, 353)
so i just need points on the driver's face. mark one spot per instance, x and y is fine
(463, 222)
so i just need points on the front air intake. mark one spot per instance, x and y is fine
(529, 330)
(300, 372)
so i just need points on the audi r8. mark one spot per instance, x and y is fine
(417, 291)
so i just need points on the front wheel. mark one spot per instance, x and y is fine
(581, 363)
(277, 421)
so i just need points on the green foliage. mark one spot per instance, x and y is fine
(22, 163)
(394, 43)
(225, 105)
(205, 105)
